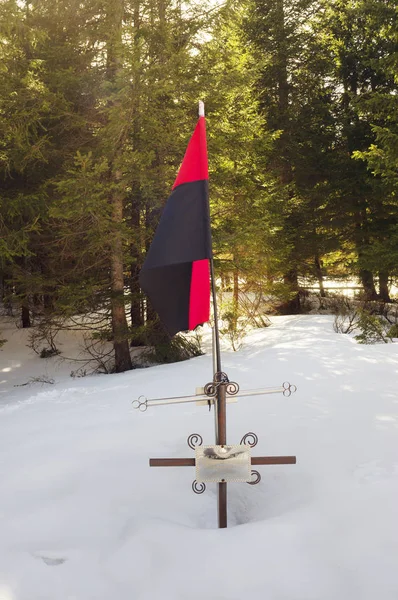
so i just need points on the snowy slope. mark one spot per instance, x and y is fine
(83, 517)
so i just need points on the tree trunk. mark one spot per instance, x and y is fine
(236, 290)
(120, 328)
(384, 293)
(368, 284)
(25, 315)
(156, 333)
(319, 274)
(292, 306)
(362, 242)
(2, 286)
(136, 307)
(286, 172)
(235, 298)
(48, 303)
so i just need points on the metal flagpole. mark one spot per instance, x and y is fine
(216, 334)
(221, 404)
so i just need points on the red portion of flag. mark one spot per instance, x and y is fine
(199, 297)
(194, 166)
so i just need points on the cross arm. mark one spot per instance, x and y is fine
(274, 460)
(171, 462)
(144, 403)
(190, 462)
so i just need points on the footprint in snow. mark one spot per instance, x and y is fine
(50, 559)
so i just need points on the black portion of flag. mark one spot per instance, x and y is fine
(182, 237)
(169, 288)
(183, 233)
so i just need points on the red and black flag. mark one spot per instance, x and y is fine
(176, 272)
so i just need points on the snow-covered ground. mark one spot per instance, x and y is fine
(83, 517)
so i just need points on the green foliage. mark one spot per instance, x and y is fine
(371, 321)
(373, 329)
(177, 349)
(158, 347)
(42, 339)
(234, 328)
(48, 352)
(392, 332)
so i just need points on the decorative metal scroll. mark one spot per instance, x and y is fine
(288, 389)
(250, 439)
(198, 486)
(210, 389)
(257, 479)
(194, 440)
(141, 405)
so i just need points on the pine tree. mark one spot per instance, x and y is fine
(238, 185)
(359, 45)
(379, 107)
(295, 99)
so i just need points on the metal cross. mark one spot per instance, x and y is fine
(218, 392)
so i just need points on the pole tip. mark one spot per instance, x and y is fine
(201, 108)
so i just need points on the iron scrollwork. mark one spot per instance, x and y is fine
(250, 439)
(257, 478)
(194, 440)
(210, 389)
(232, 388)
(198, 487)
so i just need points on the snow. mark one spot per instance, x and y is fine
(83, 517)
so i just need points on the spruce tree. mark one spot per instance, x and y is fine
(356, 33)
(295, 99)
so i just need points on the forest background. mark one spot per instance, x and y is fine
(97, 102)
